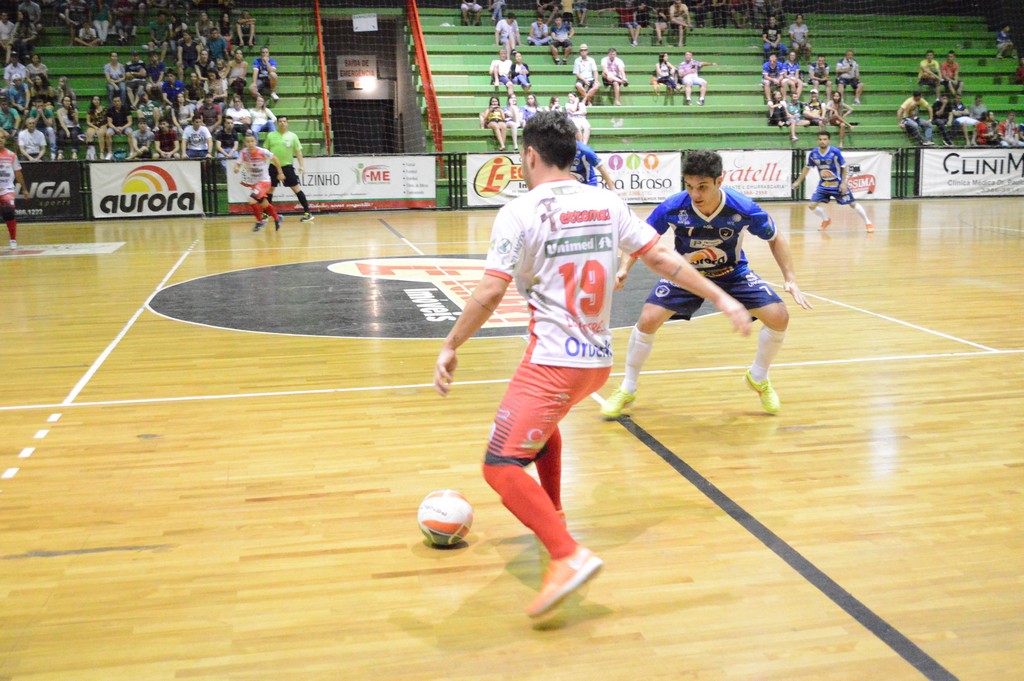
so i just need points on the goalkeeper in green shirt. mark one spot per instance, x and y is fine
(284, 145)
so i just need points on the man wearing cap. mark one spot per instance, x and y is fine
(585, 70)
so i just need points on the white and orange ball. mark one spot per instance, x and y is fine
(445, 517)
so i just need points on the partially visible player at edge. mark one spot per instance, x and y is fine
(832, 181)
(257, 177)
(535, 241)
(709, 222)
(10, 172)
(586, 165)
(285, 145)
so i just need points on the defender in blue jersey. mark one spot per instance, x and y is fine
(832, 182)
(710, 222)
(587, 165)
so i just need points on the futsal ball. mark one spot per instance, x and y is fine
(445, 517)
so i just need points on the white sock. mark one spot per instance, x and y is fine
(769, 342)
(820, 212)
(860, 211)
(640, 345)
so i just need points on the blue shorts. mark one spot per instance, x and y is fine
(826, 194)
(749, 289)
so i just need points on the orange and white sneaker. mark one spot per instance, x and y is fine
(870, 227)
(825, 223)
(564, 576)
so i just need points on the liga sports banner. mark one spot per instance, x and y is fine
(759, 174)
(147, 188)
(869, 175)
(55, 192)
(972, 172)
(639, 177)
(351, 183)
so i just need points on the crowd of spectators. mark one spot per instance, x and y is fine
(191, 87)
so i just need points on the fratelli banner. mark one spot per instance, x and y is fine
(759, 174)
(146, 189)
(54, 192)
(869, 175)
(639, 177)
(972, 172)
(351, 183)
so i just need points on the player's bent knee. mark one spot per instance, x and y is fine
(493, 459)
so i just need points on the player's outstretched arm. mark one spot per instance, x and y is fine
(784, 257)
(676, 269)
(483, 301)
(803, 176)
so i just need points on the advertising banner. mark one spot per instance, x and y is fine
(759, 174)
(869, 176)
(352, 183)
(638, 176)
(146, 189)
(972, 172)
(55, 192)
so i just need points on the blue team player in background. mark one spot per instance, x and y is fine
(587, 165)
(709, 222)
(832, 181)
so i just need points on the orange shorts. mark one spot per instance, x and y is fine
(538, 397)
(259, 190)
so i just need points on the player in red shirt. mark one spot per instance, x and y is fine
(10, 171)
(256, 161)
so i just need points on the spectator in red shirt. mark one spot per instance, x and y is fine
(950, 71)
(627, 19)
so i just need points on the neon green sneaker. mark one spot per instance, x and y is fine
(619, 399)
(769, 398)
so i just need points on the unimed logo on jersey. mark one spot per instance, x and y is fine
(130, 189)
(495, 175)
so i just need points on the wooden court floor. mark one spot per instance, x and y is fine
(181, 501)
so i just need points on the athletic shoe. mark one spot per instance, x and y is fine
(856, 101)
(563, 577)
(689, 102)
(90, 154)
(14, 245)
(277, 223)
(260, 225)
(825, 223)
(947, 143)
(273, 96)
(870, 227)
(700, 102)
(306, 217)
(613, 406)
(769, 398)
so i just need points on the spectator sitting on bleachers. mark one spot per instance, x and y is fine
(539, 33)
(791, 76)
(17, 95)
(613, 74)
(561, 39)
(506, 33)
(987, 132)
(65, 90)
(493, 118)
(217, 87)
(579, 7)
(501, 71)
(227, 143)
(471, 13)
(33, 12)
(225, 25)
(799, 34)
(159, 35)
(1009, 131)
(188, 54)
(795, 116)
(550, 9)
(238, 115)
(521, 73)
(6, 35)
(497, 8)
(10, 119)
(31, 142)
(1004, 42)
(147, 110)
(660, 24)
(196, 140)
(114, 73)
(679, 19)
(942, 118)
(576, 110)
(263, 119)
(166, 139)
(929, 74)
(182, 112)
(264, 74)
(246, 29)
(665, 74)
(101, 14)
(848, 75)
(203, 28)
(141, 142)
(771, 76)
(217, 45)
(814, 111)
(917, 127)
(772, 37)
(25, 36)
(212, 114)
(698, 13)
(719, 13)
(40, 89)
(118, 123)
(836, 111)
(205, 64)
(136, 78)
(963, 120)
(585, 70)
(36, 67)
(818, 76)
(14, 69)
(75, 15)
(530, 109)
(950, 70)
(195, 88)
(238, 69)
(513, 119)
(155, 70)
(95, 128)
(124, 20)
(689, 75)
(627, 19)
(776, 110)
(554, 105)
(171, 88)
(739, 11)
(87, 36)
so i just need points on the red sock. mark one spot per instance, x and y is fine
(12, 228)
(258, 211)
(531, 505)
(549, 468)
(272, 211)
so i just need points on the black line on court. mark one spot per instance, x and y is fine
(391, 229)
(82, 552)
(888, 634)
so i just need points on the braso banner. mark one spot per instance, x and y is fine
(759, 174)
(869, 175)
(972, 172)
(55, 192)
(149, 188)
(351, 183)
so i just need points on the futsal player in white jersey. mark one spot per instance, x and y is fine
(558, 243)
(256, 162)
(10, 172)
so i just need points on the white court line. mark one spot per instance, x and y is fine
(117, 339)
(409, 386)
(10, 473)
(53, 418)
(27, 452)
(40, 434)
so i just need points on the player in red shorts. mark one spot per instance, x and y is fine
(10, 172)
(256, 162)
(559, 243)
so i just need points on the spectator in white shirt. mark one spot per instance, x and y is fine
(238, 115)
(798, 33)
(31, 142)
(14, 69)
(585, 70)
(506, 33)
(613, 74)
(539, 33)
(501, 70)
(196, 139)
(6, 35)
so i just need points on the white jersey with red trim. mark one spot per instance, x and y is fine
(9, 164)
(559, 243)
(255, 165)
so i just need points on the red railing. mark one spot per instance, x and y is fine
(328, 140)
(433, 112)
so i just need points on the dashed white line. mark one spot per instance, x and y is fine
(27, 452)
(40, 434)
(53, 418)
(9, 473)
